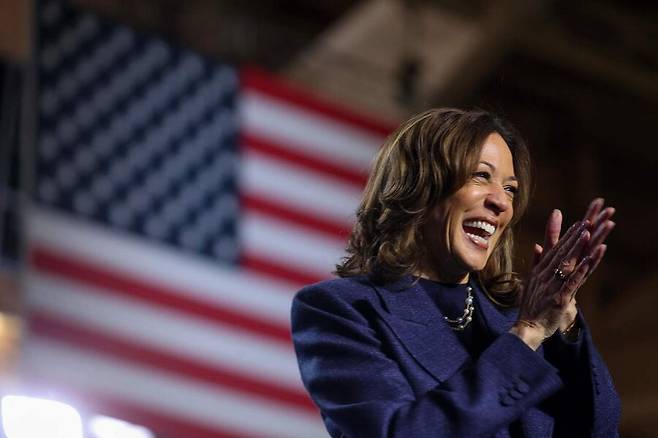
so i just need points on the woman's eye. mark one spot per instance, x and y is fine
(483, 175)
(512, 190)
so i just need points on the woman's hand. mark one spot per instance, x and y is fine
(560, 267)
(600, 227)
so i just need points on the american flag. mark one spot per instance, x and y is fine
(178, 203)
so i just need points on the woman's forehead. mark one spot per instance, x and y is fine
(495, 153)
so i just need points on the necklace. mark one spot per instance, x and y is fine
(463, 321)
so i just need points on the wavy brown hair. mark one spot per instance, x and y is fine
(427, 159)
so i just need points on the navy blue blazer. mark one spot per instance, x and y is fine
(379, 361)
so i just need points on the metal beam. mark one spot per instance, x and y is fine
(359, 59)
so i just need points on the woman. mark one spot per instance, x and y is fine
(429, 332)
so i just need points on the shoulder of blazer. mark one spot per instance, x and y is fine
(347, 289)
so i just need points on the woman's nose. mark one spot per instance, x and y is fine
(498, 200)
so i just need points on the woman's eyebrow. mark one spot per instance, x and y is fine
(493, 169)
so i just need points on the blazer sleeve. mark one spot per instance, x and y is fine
(362, 392)
(588, 404)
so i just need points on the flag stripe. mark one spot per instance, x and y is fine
(166, 392)
(113, 282)
(303, 159)
(310, 222)
(202, 279)
(301, 131)
(298, 189)
(163, 329)
(281, 271)
(258, 80)
(83, 337)
(281, 242)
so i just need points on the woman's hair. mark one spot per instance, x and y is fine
(427, 159)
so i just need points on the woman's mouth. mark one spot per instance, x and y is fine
(479, 232)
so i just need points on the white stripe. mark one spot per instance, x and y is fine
(300, 189)
(165, 393)
(156, 264)
(301, 130)
(166, 330)
(279, 242)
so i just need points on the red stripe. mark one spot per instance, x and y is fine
(275, 86)
(171, 298)
(90, 403)
(254, 143)
(163, 425)
(279, 211)
(279, 271)
(105, 344)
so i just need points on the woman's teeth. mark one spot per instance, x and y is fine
(485, 226)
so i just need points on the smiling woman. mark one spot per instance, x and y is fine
(465, 228)
(429, 331)
(439, 169)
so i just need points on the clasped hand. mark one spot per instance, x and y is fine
(560, 267)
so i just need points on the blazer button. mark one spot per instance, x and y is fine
(516, 394)
(521, 386)
(506, 400)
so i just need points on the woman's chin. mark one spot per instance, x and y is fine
(473, 260)
(472, 256)
(476, 266)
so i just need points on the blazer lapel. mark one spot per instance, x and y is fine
(496, 321)
(419, 326)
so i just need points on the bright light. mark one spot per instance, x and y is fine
(108, 427)
(28, 417)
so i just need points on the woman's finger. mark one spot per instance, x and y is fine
(558, 253)
(551, 236)
(597, 256)
(553, 228)
(536, 252)
(604, 215)
(599, 235)
(549, 255)
(575, 280)
(602, 218)
(567, 267)
(571, 259)
(593, 210)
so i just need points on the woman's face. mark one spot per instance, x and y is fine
(466, 226)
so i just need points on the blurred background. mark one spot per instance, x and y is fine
(172, 172)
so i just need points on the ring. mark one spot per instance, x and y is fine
(558, 273)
